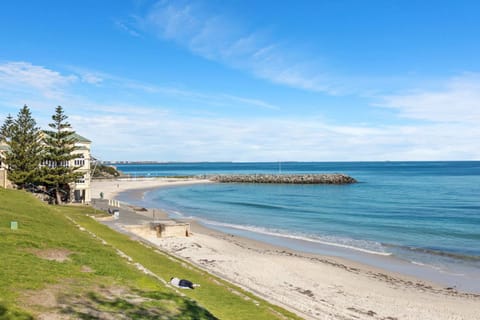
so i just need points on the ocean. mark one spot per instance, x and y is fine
(417, 218)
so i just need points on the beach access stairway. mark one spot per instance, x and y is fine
(335, 178)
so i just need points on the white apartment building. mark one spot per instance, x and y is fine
(80, 189)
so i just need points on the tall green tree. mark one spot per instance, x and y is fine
(24, 155)
(60, 148)
(6, 129)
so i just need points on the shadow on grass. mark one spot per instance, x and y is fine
(6, 314)
(140, 305)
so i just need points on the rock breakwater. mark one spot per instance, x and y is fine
(285, 178)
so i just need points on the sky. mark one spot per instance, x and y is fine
(249, 80)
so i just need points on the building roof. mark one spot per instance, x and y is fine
(74, 135)
(80, 138)
(4, 147)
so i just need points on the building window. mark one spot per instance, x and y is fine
(80, 161)
(80, 180)
(53, 164)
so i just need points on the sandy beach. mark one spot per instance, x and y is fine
(313, 286)
(110, 188)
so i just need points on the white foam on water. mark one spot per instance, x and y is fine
(331, 241)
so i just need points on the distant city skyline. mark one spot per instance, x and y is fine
(250, 80)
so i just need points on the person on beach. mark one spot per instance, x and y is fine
(182, 283)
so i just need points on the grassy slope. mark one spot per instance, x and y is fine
(87, 294)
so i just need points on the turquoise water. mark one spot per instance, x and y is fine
(423, 213)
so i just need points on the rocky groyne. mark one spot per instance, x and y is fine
(285, 178)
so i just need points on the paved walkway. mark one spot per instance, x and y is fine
(126, 215)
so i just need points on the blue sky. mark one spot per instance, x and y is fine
(250, 80)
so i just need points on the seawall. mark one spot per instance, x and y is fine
(335, 178)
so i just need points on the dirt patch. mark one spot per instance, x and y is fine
(60, 255)
(45, 298)
(53, 316)
(86, 269)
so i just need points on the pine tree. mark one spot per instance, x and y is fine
(6, 129)
(24, 139)
(59, 151)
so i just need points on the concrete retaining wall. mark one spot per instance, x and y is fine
(171, 228)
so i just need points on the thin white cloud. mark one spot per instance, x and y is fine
(457, 101)
(24, 83)
(201, 98)
(221, 38)
(92, 78)
(253, 102)
(128, 29)
(23, 76)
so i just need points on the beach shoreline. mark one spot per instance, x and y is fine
(312, 285)
(110, 188)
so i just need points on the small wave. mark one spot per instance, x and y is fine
(437, 268)
(179, 214)
(253, 205)
(426, 265)
(434, 252)
(283, 234)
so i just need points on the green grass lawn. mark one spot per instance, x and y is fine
(50, 267)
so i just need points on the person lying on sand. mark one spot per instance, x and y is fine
(182, 283)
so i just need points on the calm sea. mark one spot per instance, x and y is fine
(423, 215)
